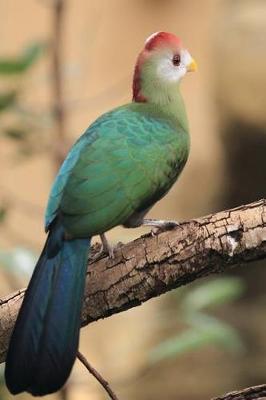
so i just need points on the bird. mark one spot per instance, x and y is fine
(125, 162)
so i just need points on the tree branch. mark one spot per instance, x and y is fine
(150, 266)
(251, 393)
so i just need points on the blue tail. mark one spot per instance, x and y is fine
(44, 342)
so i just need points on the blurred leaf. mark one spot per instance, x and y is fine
(15, 133)
(20, 64)
(32, 53)
(18, 261)
(7, 99)
(2, 374)
(213, 293)
(3, 213)
(207, 331)
(227, 335)
(25, 151)
(2, 383)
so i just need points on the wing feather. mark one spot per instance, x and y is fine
(122, 162)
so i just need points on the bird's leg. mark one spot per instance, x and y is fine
(106, 247)
(160, 224)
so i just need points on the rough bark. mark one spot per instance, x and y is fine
(152, 265)
(251, 393)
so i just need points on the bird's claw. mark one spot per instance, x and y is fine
(102, 253)
(168, 225)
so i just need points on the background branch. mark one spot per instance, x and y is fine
(59, 137)
(254, 392)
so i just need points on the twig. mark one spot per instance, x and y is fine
(97, 376)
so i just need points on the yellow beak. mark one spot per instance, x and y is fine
(192, 66)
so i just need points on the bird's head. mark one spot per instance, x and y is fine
(160, 66)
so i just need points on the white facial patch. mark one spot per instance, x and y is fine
(169, 72)
(186, 58)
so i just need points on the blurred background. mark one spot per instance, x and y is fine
(62, 64)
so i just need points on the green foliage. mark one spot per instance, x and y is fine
(213, 333)
(2, 382)
(20, 64)
(203, 329)
(23, 125)
(213, 293)
(3, 213)
(15, 133)
(7, 99)
(19, 261)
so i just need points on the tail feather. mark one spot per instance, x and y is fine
(44, 342)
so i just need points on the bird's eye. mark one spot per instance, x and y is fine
(176, 60)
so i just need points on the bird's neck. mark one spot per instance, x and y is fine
(168, 99)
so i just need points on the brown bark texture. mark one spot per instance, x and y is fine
(152, 265)
(251, 393)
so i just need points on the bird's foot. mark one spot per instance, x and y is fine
(160, 225)
(106, 247)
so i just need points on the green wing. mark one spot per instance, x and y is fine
(124, 162)
(61, 179)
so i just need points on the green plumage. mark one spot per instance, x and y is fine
(125, 162)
